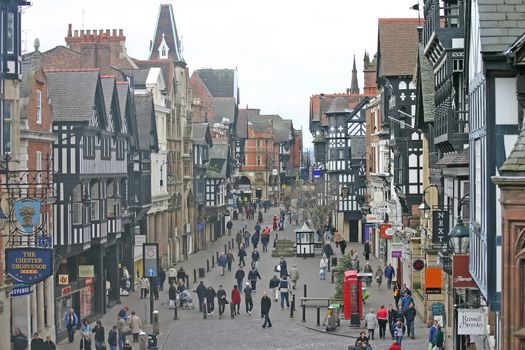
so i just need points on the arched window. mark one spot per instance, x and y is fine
(402, 85)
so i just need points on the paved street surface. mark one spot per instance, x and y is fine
(191, 331)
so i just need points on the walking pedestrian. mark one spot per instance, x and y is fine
(438, 339)
(337, 238)
(431, 332)
(221, 300)
(284, 289)
(368, 279)
(172, 275)
(342, 246)
(222, 261)
(410, 316)
(283, 267)
(85, 335)
(354, 259)
(294, 275)
(371, 323)
(181, 275)
(256, 257)
(230, 259)
(71, 323)
(19, 340)
(327, 250)
(162, 277)
(399, 331)
(239, 276)
(241, 254)
(201, 294)
(248, 300)
(246, 236)
(238, 239)
(382, 320)
(144, 286)
(136, 326)
(123, 330)
(323, 265)
(112, 338)
(155, 287)
(229, 226)
(397, 295)
(407, 299)
(235, 300)
(100, 335)
(362, 338)
(210, 300)
(266, 304)
(255, 239)
(252, 277)
(274, 287)
(37, 343)
(265, 238)
(367, 250)
(389, 274)
(172, 295)
(392, 319)
(49, 344)
(379, 276)
(400, 314)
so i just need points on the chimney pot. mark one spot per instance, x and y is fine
(88, 32)
(121, 32)
(76, 33)
(100, 31)
(81, 32)
(69, 27)
(108, 31)
(114, 32)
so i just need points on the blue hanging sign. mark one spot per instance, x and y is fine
(316, 173)
(27, 214)
(20, 290)
(29, 265)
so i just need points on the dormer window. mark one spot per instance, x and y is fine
(163, 48)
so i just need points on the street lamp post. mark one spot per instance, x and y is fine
(424, 208)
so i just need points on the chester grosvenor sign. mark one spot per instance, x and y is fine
(29, 265)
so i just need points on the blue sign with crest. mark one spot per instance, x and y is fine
(29, 265)
(27, 214)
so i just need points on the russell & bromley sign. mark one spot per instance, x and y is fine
(471, 321)
(29, 265)
(461, 277)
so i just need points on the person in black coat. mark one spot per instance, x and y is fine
(255, 239)
(221, 300)
(37, 343)
(100, 336)
(162, 277)
(252, 277)
(181, 274)
(242, 254)
(210, 300)
(239, 276)
(342, 246)
(19, 340)
(266, 304)
(201, 294)
(172, 295)
(328, 251)
(392, 319)
(367, 250)
(49, 345)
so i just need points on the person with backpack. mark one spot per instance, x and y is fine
(112, 338)
(438, 339)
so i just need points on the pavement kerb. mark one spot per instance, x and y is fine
(324, 332)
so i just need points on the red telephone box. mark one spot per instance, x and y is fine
(352, 295)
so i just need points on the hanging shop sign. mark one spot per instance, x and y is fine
(151, 259)
(382, 231)
(63, 279)
(26, 215)
(345, 192)
(29, 265)
(461, 277)
(316, 173)
(397, 253)
(86, 271)
(418, 265)
(471, 322)
(440, 226)
(20, 290)
(433, 280)
(373, 218)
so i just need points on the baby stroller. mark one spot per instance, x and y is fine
(186, 300)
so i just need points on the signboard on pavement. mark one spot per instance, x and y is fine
(150, 259)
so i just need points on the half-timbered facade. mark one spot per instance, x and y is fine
(219, 169)
(202, 143)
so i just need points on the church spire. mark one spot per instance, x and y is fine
(166, 43)
(354, 88)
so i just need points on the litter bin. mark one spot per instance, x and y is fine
(334, 261)
(152, 342)
(201, 272)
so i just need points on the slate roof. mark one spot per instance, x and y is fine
(108, 85)
(219, 82)
(218, 161)
(319, 104)
(514, 165)
(427, 85)
(500, 23)
(338, 105)
(242, 120)
(139, 76)
(164, 67)
(145, 125)
(199, 131)
(166, 29)
(282, 129)
(397, 46)
(72, 94)
(223, 108)
(459, 159)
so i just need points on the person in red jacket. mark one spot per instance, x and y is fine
(235, 301)
(382, 319)
(394, 347)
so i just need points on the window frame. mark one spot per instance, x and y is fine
(38, 94)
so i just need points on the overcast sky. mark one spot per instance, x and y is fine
(285, 50)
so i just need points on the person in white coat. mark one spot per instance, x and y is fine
(323, 264)
(371, 323)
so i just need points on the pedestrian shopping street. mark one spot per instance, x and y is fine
(191, 331)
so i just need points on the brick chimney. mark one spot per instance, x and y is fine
(369, 72)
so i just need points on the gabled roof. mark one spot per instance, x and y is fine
(500, 24)
(282, 130)
(397, 46)
(201, 134)
(164, 66)
(218, 161)
(166, 30)
(242, 120)
(338, 105)
(319, 104)
(147, 131)
(72, 94)
(108, 90)
(139, 76)
(219, 82)
(123, 100)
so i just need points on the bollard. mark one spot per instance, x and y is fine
(143, 340)
(304, 253)
(229, 246)
(155, 323)
(207, 265)
(232, 243)
(212, 261)
(304, 314)
(318, 316)
(194, 275)
(304, 291)
(175, 314)
(204, 309)
(332, 281)
(216, 256)
(328, 265)
(293, 302)
(291, 311)
(188, 281)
